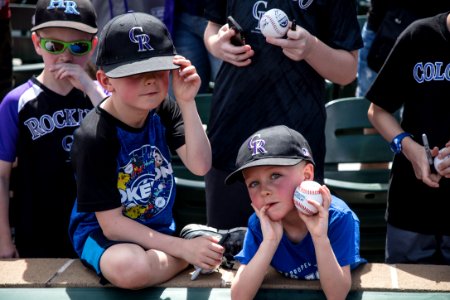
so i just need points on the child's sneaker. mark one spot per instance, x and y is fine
(232, 239)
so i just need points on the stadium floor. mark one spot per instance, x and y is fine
(69, 279)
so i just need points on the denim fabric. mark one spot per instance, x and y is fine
(365, 74)
(188, 40)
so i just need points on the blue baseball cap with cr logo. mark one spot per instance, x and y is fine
(272, 146)
(135, 43)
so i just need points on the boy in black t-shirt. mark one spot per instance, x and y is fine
(416, 77)
(122, 225)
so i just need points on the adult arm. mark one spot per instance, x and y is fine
(389, 128)
(336, 65)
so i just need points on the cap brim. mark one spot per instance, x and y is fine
(270, 161)
(67, 24)
(159, 63)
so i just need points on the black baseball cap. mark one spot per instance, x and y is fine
(272, 146)
(135, 43)
(74, 14)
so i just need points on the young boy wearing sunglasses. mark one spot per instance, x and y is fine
(37, 121)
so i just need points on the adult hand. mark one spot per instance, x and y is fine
(219, 44)
(416, 154)
(444, 167)
(298, 45)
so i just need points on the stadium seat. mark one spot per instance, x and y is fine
(358, 157)
(203, 102)
(357, 168)
(26, 62)
(190, 203)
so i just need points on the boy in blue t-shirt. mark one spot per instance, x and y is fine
(272, 163)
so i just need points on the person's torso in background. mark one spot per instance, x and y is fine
(108, 9)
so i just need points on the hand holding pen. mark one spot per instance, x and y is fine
(293, 25)
(428, 152)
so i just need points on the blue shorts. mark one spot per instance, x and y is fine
(93, 249)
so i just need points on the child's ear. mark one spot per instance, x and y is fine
(94, 43)
(308, 171)
(35, 39)
(104, 80)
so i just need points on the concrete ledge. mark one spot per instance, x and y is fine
(70, 273)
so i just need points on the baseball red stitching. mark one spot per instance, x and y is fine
(309, 192)
(304, 207)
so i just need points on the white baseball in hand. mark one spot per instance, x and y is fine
(307, 190)
(274, 23)
(438, 161)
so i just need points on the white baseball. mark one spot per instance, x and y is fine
(308, 190)
(438, 161)
(274, 23)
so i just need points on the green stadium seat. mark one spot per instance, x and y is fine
(357, 168)
(190, 201)
(26, 62)
(357, 156)
(203, 102)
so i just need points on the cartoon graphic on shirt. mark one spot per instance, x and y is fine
(158, 159)
(145, 183)
(137, 164)
(135, 211)
(123, 179)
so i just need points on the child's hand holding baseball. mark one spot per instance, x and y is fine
(317, 224)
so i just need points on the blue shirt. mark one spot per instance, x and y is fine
(120, 166)
(299, 261)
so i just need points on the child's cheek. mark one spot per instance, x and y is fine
(256, 201)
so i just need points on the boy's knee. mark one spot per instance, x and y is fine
(127, 271)
(132, 277)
